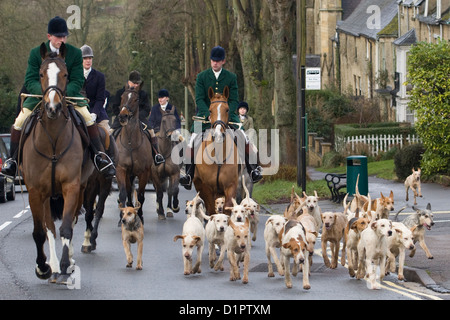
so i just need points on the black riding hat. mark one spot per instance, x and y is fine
(57, 27)
(243, 104)
(163, 93)
(218, 53)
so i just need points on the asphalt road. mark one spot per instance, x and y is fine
(102, 274)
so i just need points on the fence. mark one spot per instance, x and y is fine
(375, 143)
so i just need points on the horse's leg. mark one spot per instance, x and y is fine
(173, 193)
(51, 236)
(105, 188)
(130, 187)
(71, 195)
(43, 270)
(89, 216)
(122, 185)
(141, 194)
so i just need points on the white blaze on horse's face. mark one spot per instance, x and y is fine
(52, 74)
(218, 136)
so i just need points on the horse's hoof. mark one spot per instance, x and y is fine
(43, 274)
(63, 279)
(175, 210)
(161, 217)
(169, 214)
(86, 249)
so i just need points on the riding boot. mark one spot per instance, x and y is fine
(157, 157)
(10, 166)
(254, 171)
(186, 180)
(104, 166)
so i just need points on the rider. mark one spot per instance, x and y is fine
(159, 108)
(57, 33)
(135, 82)
(217, 78)
(94, 88)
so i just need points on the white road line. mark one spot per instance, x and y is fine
(3, 226)
(20, 214)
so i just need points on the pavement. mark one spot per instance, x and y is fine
(434, 273)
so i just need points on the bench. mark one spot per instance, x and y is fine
(335, 183)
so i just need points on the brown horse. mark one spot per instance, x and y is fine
(168, 171)
(97, 191)
(55, 169)
(216, 170)
(135, 152)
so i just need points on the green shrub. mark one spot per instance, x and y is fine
(407, 158)
(333, 159)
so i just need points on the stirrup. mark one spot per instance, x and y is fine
(9, 163)
(256, 175)
(186, 184)
(108, 159)
(159, 159)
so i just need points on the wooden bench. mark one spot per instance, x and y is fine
(335, 183)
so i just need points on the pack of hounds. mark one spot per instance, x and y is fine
(370, 240)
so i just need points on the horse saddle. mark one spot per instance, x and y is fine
(32, 120)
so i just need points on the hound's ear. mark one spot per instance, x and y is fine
(138, 205)
(178, 237)
(373, 225)
(43, 50)
(62, 51)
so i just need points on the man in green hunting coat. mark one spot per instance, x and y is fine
(217, 78)
(57, 33)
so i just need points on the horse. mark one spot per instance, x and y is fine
(135, 152)
(97, 191)
(168, 171)
(217, 165)
(55, 168)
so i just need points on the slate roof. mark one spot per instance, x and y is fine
(407, 39)
(356, 24)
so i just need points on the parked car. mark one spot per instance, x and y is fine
(7, 185)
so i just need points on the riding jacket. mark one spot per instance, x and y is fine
(156, 117)
(94, 88)
(207, 79)
(74, 63)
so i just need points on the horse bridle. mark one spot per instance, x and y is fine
(126, 106)
(220, 122)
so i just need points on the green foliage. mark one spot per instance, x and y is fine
(323, 108)
(428, 71)
(8, 100)
(407, 158)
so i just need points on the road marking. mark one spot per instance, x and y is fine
(3, 226)
(20, 214)
(388, 285)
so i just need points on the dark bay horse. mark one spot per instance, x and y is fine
(135, 152)
(217, 164)
(55, 169)
(168, 171)
(97, 191)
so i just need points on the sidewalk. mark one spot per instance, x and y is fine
(431, 273)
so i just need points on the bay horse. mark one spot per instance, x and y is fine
(217, 165)
(55, 168)
(97, 191)
(135, 152)
(168, 171)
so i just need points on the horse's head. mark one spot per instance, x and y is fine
(53, 74)
(129, 105)
(168, 123)
(219, 112)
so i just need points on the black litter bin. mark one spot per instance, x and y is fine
(357, 165)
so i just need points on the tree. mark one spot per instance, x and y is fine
(428, 72)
